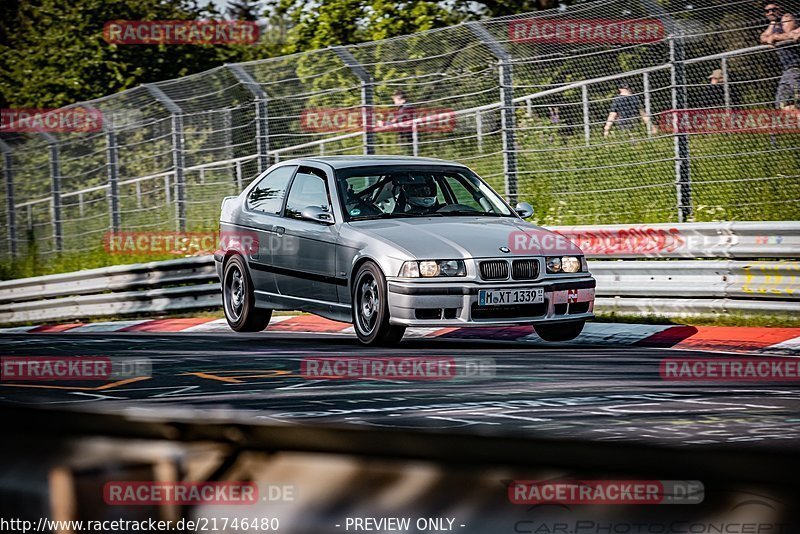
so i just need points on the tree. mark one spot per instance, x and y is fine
(244, 10)
(53, 52)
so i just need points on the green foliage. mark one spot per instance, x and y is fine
(53, 52)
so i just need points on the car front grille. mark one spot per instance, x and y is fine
(525, 269)
(494, 270)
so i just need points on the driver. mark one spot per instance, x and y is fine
(417, 195)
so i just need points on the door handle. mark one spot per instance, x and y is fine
(280, 230)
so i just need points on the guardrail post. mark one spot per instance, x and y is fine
(8, 171)
(262, 113)
(367, 95)
(507, 120)
(178, 151)
(55, 190)
(112, 156)
(677, 57)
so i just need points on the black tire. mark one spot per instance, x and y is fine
(238, 299)
(371, 308)
(559, 332)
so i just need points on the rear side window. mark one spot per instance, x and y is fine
(308, 189)
(267, 196)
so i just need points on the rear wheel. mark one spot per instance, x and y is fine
(371, 308)
(238, 299)
(559, 332)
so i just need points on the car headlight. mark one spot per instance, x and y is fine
(433, 268)
(565, 264)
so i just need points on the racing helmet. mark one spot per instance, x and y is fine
(419, 191)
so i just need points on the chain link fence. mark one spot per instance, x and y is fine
(523, 100)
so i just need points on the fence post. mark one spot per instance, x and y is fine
(367, 95)
(262, 113)
(587, 123)
(677, 57)
(112, 156)
(178, 151)
(8, 171)
(507, 120)
(726, 83)
(648, 106)
(55, 188)
(479, 130)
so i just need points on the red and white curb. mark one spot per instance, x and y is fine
(720, 338)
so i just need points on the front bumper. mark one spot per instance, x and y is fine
(456, 304)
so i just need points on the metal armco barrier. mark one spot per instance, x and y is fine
(662, 287)
(779, 239)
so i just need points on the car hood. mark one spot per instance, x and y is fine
(464, 237)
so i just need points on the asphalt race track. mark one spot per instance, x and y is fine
(591, 393)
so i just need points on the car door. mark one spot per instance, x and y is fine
(305, 257)
(262, 215)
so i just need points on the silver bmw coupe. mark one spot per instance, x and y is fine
(388, 242)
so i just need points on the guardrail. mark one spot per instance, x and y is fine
(778, 239)
(643, 287)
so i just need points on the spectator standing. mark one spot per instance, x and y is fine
(626, 108)
(713, 95)
(401, 122)
(782, 33)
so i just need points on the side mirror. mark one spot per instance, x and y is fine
(317, 214)
(524, 209)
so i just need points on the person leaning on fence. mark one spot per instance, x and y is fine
(626, 109)
(782, 33)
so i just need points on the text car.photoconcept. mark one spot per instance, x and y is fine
(390, 242)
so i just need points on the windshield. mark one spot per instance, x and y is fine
(378, 193)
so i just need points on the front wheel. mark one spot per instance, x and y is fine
(559, 332)
(371, 308)
(238, 299)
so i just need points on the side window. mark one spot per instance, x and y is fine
(268, 195)
(308, 189)
(462, 194)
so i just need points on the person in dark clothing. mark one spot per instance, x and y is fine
(403, 114)
(780, 33)
(626, 109)
(713, 95)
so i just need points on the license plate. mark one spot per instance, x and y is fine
(510, 297)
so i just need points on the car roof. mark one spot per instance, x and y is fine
(345, 162)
